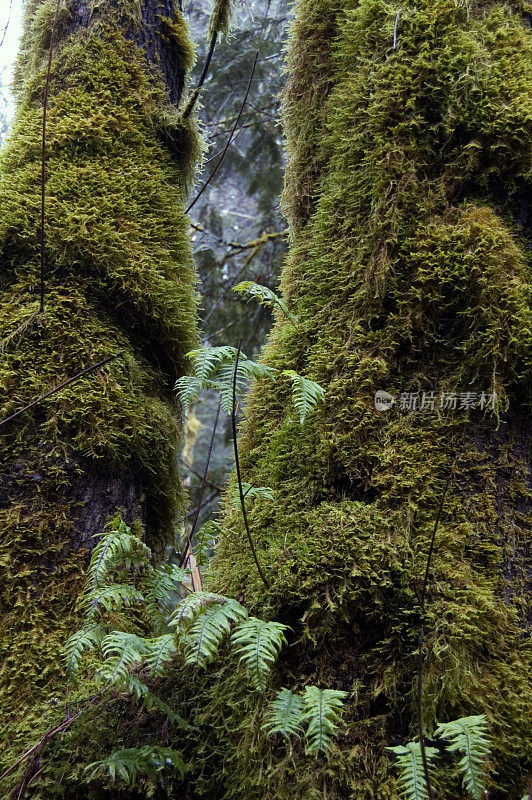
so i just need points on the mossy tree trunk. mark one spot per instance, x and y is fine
(409, 271)
(119, 277)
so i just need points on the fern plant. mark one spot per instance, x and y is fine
(266, 297)
(127, 765)
(314, 716)
(412, 775)
(214, 368)
(467, 736)
(258, 644)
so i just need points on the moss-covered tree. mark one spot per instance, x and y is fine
(408, 132)
(119, 277)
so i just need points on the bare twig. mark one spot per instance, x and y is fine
(203, 482)
(7, 23)
(238, 474)
(43, 149)
(63, 726)
(61, 386)
(195, 94)
(235, 126)
(421, 634)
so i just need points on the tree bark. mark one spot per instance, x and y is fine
(118, 276)
(409, 273)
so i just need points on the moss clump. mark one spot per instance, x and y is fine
(409, 272)
(119, 277)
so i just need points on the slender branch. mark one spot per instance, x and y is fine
(195, 94)
(235, 126)
(421, 634)
(238, 474)
(61, 386)
(208, 500)
(7, 23)
(203, 483)
(43, 151)
(63, 726)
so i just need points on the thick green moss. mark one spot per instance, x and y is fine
(119, 277)
(409, 272)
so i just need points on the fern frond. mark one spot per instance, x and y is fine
(158, 652)
(306, 394)
(285, 714)
(126, 765)
(265, 297)
(209, 628)
(205, 539)
(110, 598)
(85, 639)
(258, 644)
(188, 389)
(321, 713)
(118, 547)
(412, 776)
(157, 586)
(246, 370)
(206, 360)
(250, 492)
(121, 650)
(189, 607)
(467, 736)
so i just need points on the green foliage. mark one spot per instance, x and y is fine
(321, 714)
(285, 714)
(126, 765)
(258, 644)
(211, 624)
(250, 492)
(265, 296)
(467, 736)
(314, 716)
(214, 368)
(89, 638)
(306, 393)
(412, 776)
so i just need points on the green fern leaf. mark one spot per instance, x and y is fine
(246, 371)
(258, 644)
(306, 394)
(126, 765)
(206, 360)
(209, 628)
(158, 652)
(188, 389)
(133, 685)
(321, 713)
(85, 639)
(110, 598)
(157, 586)
(285, 714)
(117, 547)
(265, 297)
(412, 775)
(250, 492)
(467, 736)
(121, 650)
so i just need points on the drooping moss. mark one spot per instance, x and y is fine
(409, 272)
(119, 278)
